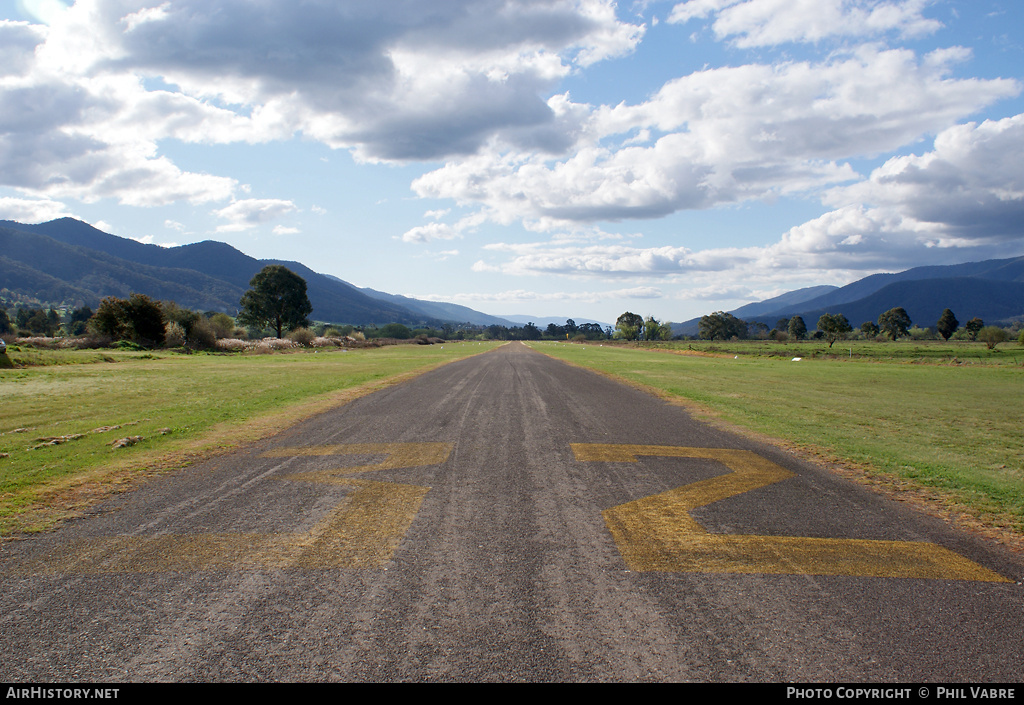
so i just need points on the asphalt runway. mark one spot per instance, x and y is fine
(508, 517)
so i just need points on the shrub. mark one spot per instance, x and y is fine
(302, 336)
(222, 324)
(202, 336)
(174, 335)
(232, 344)
(137, 318)
(992, 336)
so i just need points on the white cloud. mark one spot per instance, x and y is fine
(18, 41)
(969, 189)
(442, 231)
(430, 232)
(63, 136)
(395, 80)
(728, 135)
(31, 210)
(599, 260)
(517, 296)
(147, 240)
(756, 23)
(249, 213)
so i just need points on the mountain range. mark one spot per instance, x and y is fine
(69, 261)
(992, 290)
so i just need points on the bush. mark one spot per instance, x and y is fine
(202, 336)
(174, 335)
(992, 336)
(138, 319)
(222, 324)
(302, 336)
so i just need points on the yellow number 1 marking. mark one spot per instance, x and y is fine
(362, 531)
(657, 533)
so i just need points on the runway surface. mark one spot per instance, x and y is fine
(508, 517)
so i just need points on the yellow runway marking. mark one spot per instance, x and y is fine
(399, 455)
(657, 533)
(362, 531)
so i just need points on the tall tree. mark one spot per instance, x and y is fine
(947, 324)
(973, 326)
(136, 318)
(630, 326)
(277, 298)
(721, 326)
(834, 326)
(894, 322)
(656, 330)
(797, 328)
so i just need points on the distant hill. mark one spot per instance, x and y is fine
(792, 298)
(68, 260)
(440, 310)
(992, 290)
(543, 321)
(759, 308)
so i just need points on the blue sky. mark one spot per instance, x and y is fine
(558, 158)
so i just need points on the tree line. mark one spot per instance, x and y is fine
(831, 327)
(276, 302)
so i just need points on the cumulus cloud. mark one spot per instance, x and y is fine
(756, 23)
(517, 296)
(970, 187)
(32, 210)
(80, 117)
(442, 231)
(63, 136)
(249, 213)
(728, 135)
(541, 258)
(395, 80)
(18, 41)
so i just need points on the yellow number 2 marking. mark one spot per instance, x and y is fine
(657, 533)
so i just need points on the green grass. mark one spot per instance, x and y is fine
(954, 428)
(184, 406)
(904, 350)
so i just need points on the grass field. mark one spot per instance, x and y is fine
(953, 429)
(183, 407)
